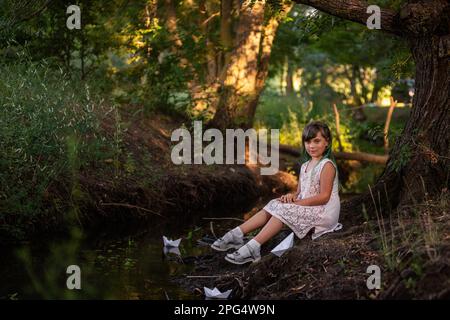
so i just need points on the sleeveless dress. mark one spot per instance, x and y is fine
(301, 219)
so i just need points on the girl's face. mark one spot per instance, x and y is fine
(316, 146)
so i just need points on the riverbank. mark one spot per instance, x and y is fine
(411, 249)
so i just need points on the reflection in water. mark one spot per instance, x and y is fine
(172, 250)
(127, 267)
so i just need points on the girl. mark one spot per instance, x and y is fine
(316, 203)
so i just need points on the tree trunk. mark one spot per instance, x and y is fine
(200, 96)
(239, 83)
(362, 82)
(376, 90)
(289, 78)
(427, 132)
(357, 112)
(205, 26)
(247, 71)
(419, 161)
(226, 36)
(270, 31)
(150, 14)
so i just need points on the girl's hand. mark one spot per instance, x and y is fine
(288, 198)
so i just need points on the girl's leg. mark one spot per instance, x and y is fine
(258, 220)
(270, 229)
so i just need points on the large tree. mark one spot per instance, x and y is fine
(245, 74)
(420, 160)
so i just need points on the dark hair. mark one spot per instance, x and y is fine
(309, 132)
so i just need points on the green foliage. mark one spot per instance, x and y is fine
(331, 52)
(274, 110)
(48, 128)
(290, 115)
(402, 159)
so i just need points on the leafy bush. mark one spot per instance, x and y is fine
(48, 128)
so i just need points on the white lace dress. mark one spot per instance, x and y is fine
(301, 219)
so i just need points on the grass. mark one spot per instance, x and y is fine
(48, 129)
(412, 237)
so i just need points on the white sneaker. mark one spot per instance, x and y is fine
(244, 255)
(230, 240)
(223, 245)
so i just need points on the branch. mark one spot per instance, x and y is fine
(217, 14)
(354, 10)
(358, 156)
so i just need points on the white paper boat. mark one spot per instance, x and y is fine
(284, 245)
(174, 250)
(171, 243)
(216, 294)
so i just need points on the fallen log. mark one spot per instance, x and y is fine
(358, 156)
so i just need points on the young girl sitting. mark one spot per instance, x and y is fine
(316, 203)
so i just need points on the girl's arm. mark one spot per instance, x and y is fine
(299, 188)
(326, 186)
(291, 197)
